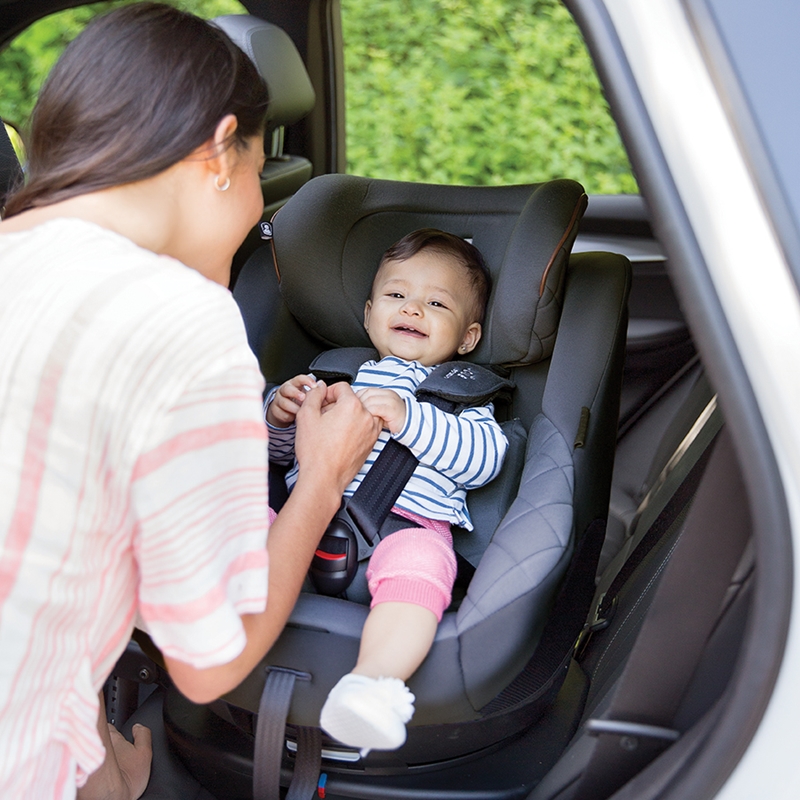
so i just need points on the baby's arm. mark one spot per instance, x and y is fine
(286, 402)
(468, 448)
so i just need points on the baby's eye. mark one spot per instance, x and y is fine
(437, 304)
(396, 295)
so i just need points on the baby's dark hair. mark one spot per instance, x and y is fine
(451, 246)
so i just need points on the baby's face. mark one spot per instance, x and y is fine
(421, 309)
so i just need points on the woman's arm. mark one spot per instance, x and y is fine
(334, 436)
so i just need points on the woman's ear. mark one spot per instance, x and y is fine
(220, 154)
(471, 338)
(367, 309)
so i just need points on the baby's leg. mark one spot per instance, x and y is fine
(411, 576)
(396, 638)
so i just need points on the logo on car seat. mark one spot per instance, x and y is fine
(465, 373)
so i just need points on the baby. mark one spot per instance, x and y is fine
(427, 304)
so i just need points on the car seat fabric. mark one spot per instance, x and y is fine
(338, 232)
(556, 324)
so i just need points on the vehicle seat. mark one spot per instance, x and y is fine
(557, 326)
(291, 97)
(646, 447)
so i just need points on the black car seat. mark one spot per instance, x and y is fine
(556, 325)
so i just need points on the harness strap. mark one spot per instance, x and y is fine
(307, 764)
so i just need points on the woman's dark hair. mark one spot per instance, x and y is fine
(136, 92)
(450, 246)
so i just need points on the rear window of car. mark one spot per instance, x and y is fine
(476, 92)
(26, 61)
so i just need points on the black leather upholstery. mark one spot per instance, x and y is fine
(291, 95)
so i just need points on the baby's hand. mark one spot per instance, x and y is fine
(288, 399)
(386, 405)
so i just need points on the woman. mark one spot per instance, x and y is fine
(132, 444)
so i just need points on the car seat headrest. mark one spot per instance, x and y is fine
(291, 95)
(329, 238)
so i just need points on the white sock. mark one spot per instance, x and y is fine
(368, 713)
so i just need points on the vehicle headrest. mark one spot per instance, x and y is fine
(329, 238)
(291, 95)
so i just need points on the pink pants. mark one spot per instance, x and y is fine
(413, 565)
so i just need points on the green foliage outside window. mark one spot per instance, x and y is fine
(479, 92)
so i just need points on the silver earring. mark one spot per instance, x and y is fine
(224, 186)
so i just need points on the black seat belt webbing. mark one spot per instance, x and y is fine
(382, 485)
(273, 709)
(637, 725)
(307, 764)
(376, 494)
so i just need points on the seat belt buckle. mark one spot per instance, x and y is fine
(601, 619)
(336, 558)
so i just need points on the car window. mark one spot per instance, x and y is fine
(486, 95)
(26, 61)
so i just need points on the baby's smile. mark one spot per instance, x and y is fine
(409, 330)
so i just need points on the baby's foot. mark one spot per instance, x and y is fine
(368, 713)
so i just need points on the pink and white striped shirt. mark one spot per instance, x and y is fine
(133, 470)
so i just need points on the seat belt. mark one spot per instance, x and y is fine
(354, 532)
(273, 709)
(637, 725)
(678, 480)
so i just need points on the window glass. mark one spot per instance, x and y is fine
(477, 92)
(25, 62)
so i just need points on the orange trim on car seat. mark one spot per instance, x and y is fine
(580, 207)
(272, 245)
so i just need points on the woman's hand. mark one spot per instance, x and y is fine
(283, 409)
(124, 773)
(335, 434)
(387, 405)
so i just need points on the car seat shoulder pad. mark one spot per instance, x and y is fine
(459, 382)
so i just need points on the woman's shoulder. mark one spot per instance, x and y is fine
(119, 285)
